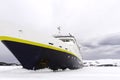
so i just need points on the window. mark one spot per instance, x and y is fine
(51, 43)
(60, 46)
(66, 48)
(65, 40)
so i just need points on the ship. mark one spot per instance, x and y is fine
(58, 52)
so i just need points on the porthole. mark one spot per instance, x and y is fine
(66, 48)
(51, 43)
(60, 46)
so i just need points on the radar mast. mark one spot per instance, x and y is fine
(59, 30)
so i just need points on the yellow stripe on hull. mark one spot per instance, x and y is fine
(7, 38)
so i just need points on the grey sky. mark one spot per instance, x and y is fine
(106, 47)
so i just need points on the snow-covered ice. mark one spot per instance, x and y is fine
(112, 62)
(86, 73)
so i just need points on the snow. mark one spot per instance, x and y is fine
(86, 73)
(114, 62)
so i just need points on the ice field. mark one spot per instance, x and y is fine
(86, 73)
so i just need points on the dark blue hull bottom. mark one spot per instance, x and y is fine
(36, 57)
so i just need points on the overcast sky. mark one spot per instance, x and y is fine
(82, 18)
(86, 19)
(105, 47)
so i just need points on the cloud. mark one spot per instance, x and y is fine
(111, 40)
(107, 47)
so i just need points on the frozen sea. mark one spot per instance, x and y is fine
(86, 73)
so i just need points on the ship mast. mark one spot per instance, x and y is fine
(59, 30)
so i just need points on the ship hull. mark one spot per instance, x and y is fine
(37, 57)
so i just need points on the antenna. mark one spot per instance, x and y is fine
(70, 34)
(20, 32)
(59, 29)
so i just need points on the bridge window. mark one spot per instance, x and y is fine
(67, 40)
